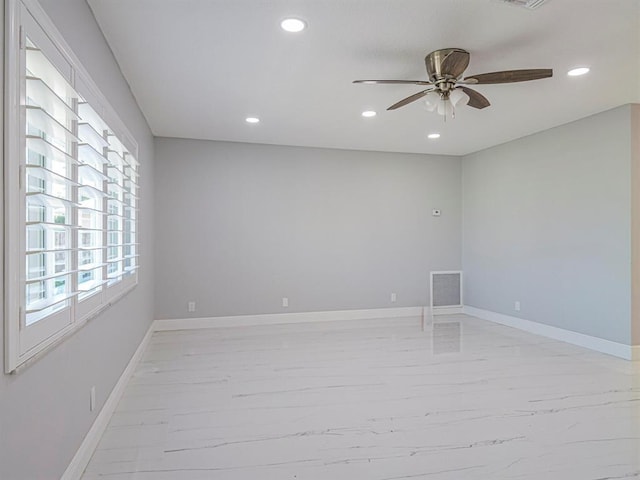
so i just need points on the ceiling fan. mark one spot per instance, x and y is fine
(446, 88)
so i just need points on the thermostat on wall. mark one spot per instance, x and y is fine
(435, 212)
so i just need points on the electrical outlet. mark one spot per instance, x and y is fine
(394, 297)
(516, 306)
(92, 399)
(285, 301)
(191, 306)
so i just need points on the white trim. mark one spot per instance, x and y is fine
(55, 340)
(280, 318)
(447, 310)
(616, 349)
(81, 459)
(11, 182)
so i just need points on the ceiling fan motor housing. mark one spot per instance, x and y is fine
(438, 69)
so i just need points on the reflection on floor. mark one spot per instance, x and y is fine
(375, 400)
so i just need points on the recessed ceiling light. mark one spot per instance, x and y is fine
(433, 136)
(293, 25)
(369, 113)
(577, 71)
(252, 120)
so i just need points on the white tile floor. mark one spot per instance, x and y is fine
(465, 399)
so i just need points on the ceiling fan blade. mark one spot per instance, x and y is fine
(476, 99)
(455, 63)
(412, 98)
(394, 82)
(509, 76)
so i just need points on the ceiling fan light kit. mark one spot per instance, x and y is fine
(446, 88)
(445, 104)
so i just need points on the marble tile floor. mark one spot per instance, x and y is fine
(373, 400)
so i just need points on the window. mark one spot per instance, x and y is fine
(72, 185)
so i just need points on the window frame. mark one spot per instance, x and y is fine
(24, 343)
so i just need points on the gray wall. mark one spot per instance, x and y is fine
(547, 222)
(240, 226)
(44, 410)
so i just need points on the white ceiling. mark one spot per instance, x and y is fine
(199, 67)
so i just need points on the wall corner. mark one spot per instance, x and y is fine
(635, 224)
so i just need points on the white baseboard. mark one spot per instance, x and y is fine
(282, 318)
(81, 459)
(616, 349)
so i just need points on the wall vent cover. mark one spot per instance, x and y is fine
(529, 4)
(446, 291)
